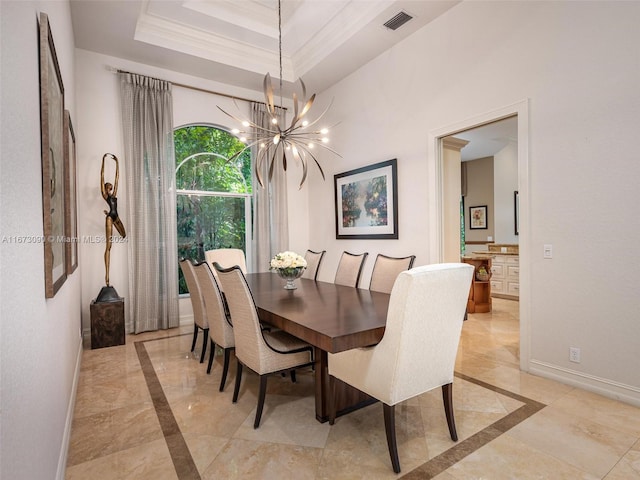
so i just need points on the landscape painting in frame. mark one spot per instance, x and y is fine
(367, 202)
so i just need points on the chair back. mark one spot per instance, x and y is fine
(251, 348)
(313, 264)
(197, 302)
(350, 269)
(418, 350)
(219, 325)
(386, 270)
(226, 257)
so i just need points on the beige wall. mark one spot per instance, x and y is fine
(479, 192)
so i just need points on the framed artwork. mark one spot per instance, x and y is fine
(70, 201)
(478, 217)
(367, 202)
(53, 174)
(516, 211)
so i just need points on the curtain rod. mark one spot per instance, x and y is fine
(190, 87)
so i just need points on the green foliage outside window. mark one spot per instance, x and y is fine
(207, 218)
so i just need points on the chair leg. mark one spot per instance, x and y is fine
(225, 368)
(236, 389)
(332, 399)
(293, 376)
(261, 395)
(195, 337)
(390, 429)
(447, 398)
(204, 344)
(212, 353)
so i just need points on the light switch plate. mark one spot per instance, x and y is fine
(548, 251)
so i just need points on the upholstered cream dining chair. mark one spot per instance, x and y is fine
(313, 264)
(418, 350)
(197, 302)
(227, 257)
(220, 329)
(350, 269)
(262, 351)
(386, 270)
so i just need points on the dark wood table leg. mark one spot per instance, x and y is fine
(348, 398)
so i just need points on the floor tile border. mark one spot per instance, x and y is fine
(453, 455)
(187, 470)
(180, 454)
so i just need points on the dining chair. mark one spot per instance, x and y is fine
(227, 257)
(197, 302)
(350, 269)
(220, 327)
(386, 270)
(313, 264)
(264, 352)
(418, 350)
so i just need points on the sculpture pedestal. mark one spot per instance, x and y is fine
(107, 319)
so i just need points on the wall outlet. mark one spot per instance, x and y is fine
(574, 354)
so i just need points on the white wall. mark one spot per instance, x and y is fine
(40, 345)
(576, 64)
(99, 131)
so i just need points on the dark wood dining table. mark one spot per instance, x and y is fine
(332, 318)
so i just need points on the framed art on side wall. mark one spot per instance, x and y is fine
(367, 202)
(70, 201)
(478, 217)
(53, 173)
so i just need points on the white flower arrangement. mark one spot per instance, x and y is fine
(287, 260)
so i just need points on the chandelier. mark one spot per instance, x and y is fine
(278, 140)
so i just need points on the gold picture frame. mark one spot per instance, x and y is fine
(53, 172)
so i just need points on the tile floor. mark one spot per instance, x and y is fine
(148, 410)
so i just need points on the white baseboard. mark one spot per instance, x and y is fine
(602, 386)
(64, 448)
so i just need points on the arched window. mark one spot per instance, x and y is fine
(213, 192)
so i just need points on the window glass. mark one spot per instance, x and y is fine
(213, 183)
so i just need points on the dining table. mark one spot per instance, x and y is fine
(332, 318)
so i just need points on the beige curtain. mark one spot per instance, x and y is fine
(270, 218)
(147, 114)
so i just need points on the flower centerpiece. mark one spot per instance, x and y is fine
(289, 265)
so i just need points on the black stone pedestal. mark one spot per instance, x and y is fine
(107, 319)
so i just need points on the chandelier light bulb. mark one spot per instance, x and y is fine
(235, 131)
(324, 131)
(243, 139)
(305, 123)
(245, 123)
(325, 140)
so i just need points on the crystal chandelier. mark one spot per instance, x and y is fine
(279, 140)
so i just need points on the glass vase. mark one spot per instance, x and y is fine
(290, 275)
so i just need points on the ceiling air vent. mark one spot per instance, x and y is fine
(397, 21)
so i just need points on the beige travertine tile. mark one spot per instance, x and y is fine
(250, 460)
(600, 409)
(506, 458)
(587, 445)
(204, 448)
(148, 461)
(111, 431)
(628, 467)
(288, 420)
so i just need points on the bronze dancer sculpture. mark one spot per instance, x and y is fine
(112, 219)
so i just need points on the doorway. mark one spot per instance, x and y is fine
(440, 197)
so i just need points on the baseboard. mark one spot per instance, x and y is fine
(602, 386)
(64, 448)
